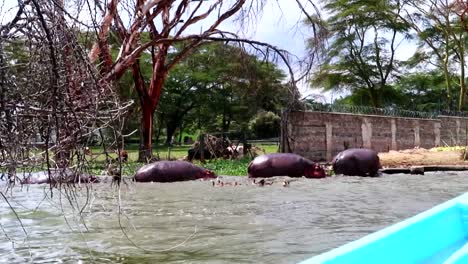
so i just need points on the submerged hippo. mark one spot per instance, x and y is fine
(171, 171)
(59, 176)
(284, 164)
(357, 162)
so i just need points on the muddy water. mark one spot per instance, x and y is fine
(194, 222)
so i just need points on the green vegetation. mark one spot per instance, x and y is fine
(265, 125)
(218, 89)
(235, 167)
(363, 59)
(454, 148)
(227, 167)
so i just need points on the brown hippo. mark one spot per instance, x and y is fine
(171, 171)
(284, 164)
(357, 162)
(59, 176)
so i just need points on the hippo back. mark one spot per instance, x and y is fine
(37, 178)
(59, 176)
(169, 171)
(357, 162)
(278, 164)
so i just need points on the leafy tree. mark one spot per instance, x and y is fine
(388, 96)
(168, 23)
(363, 44)
(220, 86)
(265, 124)
(441, 42)
(419, 91)
(423, 91)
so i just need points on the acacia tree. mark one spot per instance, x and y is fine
(168, 22)
(422, 91)
(461, 9)
(439, 30)
(363, 43)
(238, 85)
(229, 84)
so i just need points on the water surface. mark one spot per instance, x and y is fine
(230, 224)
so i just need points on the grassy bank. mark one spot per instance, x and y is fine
(227, 167)
(238, 167)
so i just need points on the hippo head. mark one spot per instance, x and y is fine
(207, 174)
(314, 171)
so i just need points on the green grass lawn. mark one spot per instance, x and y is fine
(237, 167)
(269, 148)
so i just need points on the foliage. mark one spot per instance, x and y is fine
(361, 57)
(265, 125)
(454, 148)
(441, 41)
(168, 31)
(420, 91)
(228, 167)
(220, 88)
(423, 91)
(387, 96)
(97, 164)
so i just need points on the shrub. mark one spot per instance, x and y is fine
(265, 125)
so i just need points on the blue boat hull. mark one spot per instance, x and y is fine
(439, 235)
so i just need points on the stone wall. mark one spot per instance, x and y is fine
(320, 135)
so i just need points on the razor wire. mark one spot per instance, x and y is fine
(387, 111)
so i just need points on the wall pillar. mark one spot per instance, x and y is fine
(417, 139)
(436, 134)
(329, 140)
(394, 130)
(457, 142)
(366, 129)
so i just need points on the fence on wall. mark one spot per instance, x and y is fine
(387, 111)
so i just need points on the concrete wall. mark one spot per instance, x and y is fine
(320, 135)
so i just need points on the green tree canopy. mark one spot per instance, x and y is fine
(220, 88)
(363, 38)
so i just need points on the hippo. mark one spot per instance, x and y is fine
(357, 162)
(284, 164)
(172, 171)
(62, 176)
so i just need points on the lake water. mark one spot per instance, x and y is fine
(194, 222)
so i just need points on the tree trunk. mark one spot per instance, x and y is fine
(448, 87)
(149, 101)
(170, 131)
(181, 130)
(447, 75)
(145, 152)
(462, 77)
